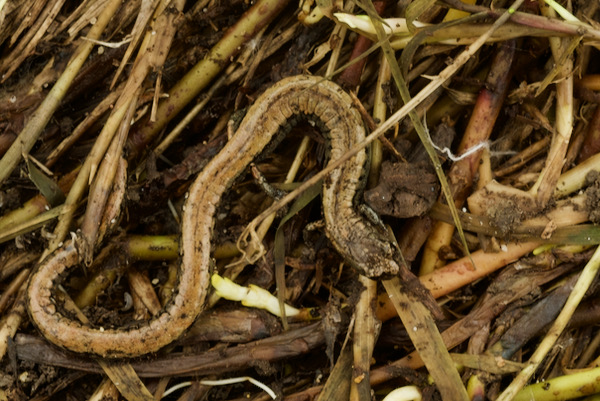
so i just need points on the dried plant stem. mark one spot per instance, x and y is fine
(189, 117)
(12, 320)
(574, 179)
(479, 129)
(338, 382)
(379, 114)
(27, 44)
(427, 340)
(339, 32)
(258, 16)
(82, 180)
(141, 286)
(95, 286)
(106, 391)
(33, 207)
(546, 183)
(147, 9)
(559, 26)
(101, 189)
(39, 219)
(126, 380)
(365, 327)
(583, 283)
(39, 119)
(152, 55)
(83, 126)
(366, 324)
(103, 186)
(522, 158)
(231, 75)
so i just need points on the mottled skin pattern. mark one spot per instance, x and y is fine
(359, 241)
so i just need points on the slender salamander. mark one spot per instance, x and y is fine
(358, 240)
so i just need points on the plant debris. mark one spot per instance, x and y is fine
(110, 109)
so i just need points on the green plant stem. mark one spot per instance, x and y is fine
(563, 387)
